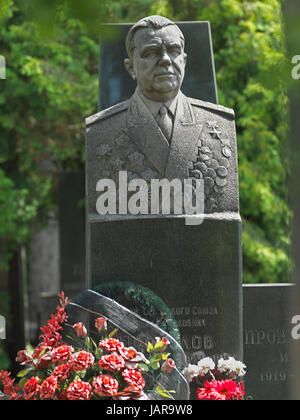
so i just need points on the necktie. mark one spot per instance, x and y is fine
(165, 122)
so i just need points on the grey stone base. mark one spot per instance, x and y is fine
(195, 270)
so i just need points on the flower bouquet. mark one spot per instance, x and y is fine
(217, 382)
(70, 364)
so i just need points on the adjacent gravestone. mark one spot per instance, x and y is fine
(72, 232)
(44, 271)
(267, 341)
(195, 270)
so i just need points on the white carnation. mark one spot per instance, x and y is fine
(231, 366)
(205, 365)
(191, 372)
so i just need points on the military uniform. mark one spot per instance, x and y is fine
(126, 137)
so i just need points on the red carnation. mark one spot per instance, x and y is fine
(82, 360)
(61, 372)
(62, 354)
(112, 362)
(23, 357)
(44, 360)
(221, 390)
(134, 378)
(105, 386)
(79, 390)
(111, 344)
(132, 357)
(31, 388)
(48, 388)
(62, 396)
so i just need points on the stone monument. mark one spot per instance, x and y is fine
(161, 138)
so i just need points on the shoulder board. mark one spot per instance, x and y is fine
(106, 113)
(212, 107)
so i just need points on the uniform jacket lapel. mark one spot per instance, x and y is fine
(184, 142)
(144, 131)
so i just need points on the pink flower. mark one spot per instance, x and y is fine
(101, 324)
(134, 378)
(62, 354)
(112, 362)
(111, 344)
(79, 390)
(48, 388)
(80, 330)
(164, 342)
(31, 388)
(82, 360)
(168, 366)
(105, 386)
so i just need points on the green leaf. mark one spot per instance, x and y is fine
(159, 346)
(82, 374)
(98, 353)
(144, 367)
(21, 383)
(94, 344)
(164, 393)
(113, 333)
(156, 358)
(155, 365)
(150, 347)
(88, 343)
(164, 356)
(71, 337)
(23, 373)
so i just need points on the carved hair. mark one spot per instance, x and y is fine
(154, 22)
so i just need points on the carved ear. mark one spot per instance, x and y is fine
(129, 67)
(185, 58)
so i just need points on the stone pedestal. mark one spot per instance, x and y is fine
(196, 271)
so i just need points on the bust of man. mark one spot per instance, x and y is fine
(159, 133)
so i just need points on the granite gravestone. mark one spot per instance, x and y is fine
(268, 335)
(71, 193)
(196, 269)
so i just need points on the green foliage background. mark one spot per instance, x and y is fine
(51, 48)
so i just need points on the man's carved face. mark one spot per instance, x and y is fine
(158, 62)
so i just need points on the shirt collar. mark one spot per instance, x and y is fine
(154, 106)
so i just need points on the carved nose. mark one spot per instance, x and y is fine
(165, 59)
